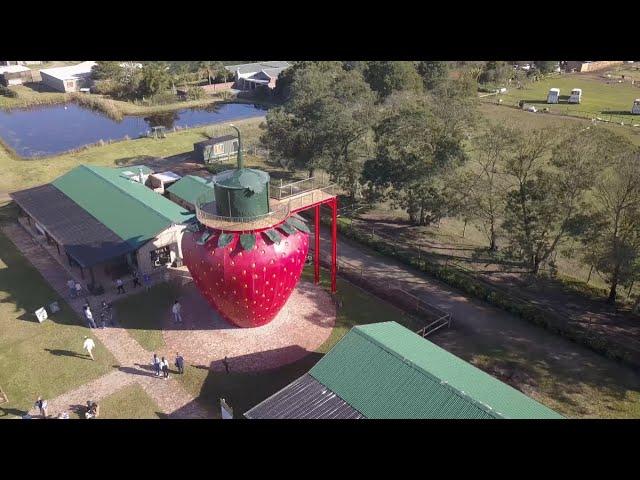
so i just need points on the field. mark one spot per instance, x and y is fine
(129, 402)
(38, 358)
(601, 97)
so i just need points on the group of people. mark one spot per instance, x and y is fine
(161, 366)
(135, 276)
(75, 289)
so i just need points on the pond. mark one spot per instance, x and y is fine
(54, 129)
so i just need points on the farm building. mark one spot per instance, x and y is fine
(216, 148)
(250, 76)
(104, 221)
(589, 66)
(15, 75)
(385, 371)
(186, 191)
(68, 79)
(159, 182)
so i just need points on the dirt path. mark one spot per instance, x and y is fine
(481, 330)
(170, 396)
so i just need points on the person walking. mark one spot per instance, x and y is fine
(136, 279)
(179, 363)
(165, 368)
(146, 279)
(72, 288)
(120, 285)
(89, 345)
(42, 405)
(225, 362)
(89, 316)
(156, 364)
(177, 318)
(107, 313)
(78, 289)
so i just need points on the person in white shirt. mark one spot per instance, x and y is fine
(165, 367)
(89, 316)
(89, 345)
(176, 312)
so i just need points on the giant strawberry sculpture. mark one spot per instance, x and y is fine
(244, 258)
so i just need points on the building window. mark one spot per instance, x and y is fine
(218, 149)
(235, 146)
(70, 84)
(160, 257)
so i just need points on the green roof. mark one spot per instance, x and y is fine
(384, 370)
(190, 187)
(132, 211)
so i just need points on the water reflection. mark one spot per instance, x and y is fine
(53, 129)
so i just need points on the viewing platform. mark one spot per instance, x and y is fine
(284, 201)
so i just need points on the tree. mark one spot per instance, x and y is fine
(545, 203)
(387, 77)
(611, 228)
(432, 73)
(106, 71)
(326, 122)
(546, 67)
(154, 79)
(417, 142)
(484, 184)
(496, 72)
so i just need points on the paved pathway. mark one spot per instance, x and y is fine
(133, 360)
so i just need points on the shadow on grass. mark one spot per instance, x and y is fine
(5, 412)
(67, 353)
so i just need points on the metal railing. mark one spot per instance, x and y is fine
(295, 188)
(206, 214)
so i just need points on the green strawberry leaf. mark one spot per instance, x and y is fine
(273, 235)
(248, 241)
(203, 239)
(294, 222)
(286, 228)
(225, 239)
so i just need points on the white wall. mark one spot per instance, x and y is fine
(172, 237)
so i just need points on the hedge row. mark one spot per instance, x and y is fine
(457, 278)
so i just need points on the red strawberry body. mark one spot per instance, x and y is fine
(247, 287)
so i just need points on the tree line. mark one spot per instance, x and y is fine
(409, 133)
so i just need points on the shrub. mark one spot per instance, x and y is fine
(195, 93)
(7, 92)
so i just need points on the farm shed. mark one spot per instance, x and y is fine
(68, 79)
(386, 371)
(216, 149)
(186, 191)
(101, 218)
(15, 75)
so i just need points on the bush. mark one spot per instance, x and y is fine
(7, 92)
(195, 93)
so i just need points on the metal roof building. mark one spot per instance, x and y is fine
(386, 371)
(100, 214)
(186, 191)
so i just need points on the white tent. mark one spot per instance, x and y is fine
(553, 96)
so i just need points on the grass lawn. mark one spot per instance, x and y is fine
(19, 174)
(143, 314)
(598, 96)
(38, 359)
(129, 402)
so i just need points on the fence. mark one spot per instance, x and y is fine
(436, 317)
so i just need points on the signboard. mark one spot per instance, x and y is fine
(218, 149)
(41, 314)
(226, 412)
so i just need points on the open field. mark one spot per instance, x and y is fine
(598, 97)
(38, 358)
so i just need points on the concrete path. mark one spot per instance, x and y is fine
(133, 360)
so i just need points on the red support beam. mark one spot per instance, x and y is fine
(334, 244)
(316, 253)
